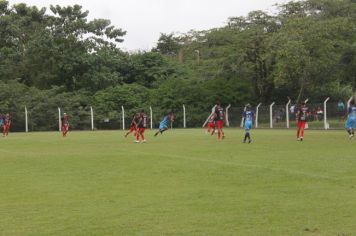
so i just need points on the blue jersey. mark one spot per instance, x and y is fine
(248, 115)
(352, 111)
(165, 122)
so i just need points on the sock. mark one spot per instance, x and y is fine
(349, 131)
(302, 133)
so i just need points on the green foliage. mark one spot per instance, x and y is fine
(306, 49)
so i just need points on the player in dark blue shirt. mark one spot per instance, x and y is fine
(248, 121)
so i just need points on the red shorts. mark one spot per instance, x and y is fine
(211, 125)
(219, 124)
(301, 124)
(6, 127)
(141, 130)
(132, 128)
(65, 127)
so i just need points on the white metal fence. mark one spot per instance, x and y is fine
(327, 114)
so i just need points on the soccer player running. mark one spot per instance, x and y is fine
(141, 127)
(219, 120)
(65, 125)
(163, 125)
(301, 119)
(211, 124)
(351, 120)
(133, 126)
(6, 125)
(248, 121)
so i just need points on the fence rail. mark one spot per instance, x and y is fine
(323, 115)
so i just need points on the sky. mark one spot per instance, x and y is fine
(144, 20)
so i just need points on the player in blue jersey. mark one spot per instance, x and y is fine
(351, 120)
(167, 120)
(248, 121)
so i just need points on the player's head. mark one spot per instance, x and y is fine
(248, 107)
(142, 111)
(303, 104)
(352, 102)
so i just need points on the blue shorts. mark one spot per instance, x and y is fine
(350, 123)
(248, 125)
(163, 126)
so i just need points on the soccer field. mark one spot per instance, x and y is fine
(181, 183)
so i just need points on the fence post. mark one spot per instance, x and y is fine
(92, 117)
(227, 115)
(242, 119)
(349, 102)
(123, 117)
(184, 120)
(256, 117)
(326, 125)
(271, 115)
(26, 120)
(151, 119)
(59, 119)
(212, 111)
(287, 113)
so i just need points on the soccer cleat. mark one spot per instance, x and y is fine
(144, 140)
(136, 141)
(249, 141)
(351, 136)
(223, 137)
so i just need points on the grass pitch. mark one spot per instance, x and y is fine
(181, 183)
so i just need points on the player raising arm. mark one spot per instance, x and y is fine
(167, 120)
(248, 121)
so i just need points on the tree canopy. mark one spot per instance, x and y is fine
(57, 56)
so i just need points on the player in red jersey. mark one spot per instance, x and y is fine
(6, 125)
(141, 127)
(301, 119)
(65, 125)
(133, 126)
(211, 124)
(219, 120)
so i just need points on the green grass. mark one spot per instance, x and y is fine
(181, 183)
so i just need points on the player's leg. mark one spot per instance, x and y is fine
(7, 129)
(142, 130)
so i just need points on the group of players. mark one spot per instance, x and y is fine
(5, 123)
(215, 122)
(139, 124)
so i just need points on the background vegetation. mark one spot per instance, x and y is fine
(57, 57)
